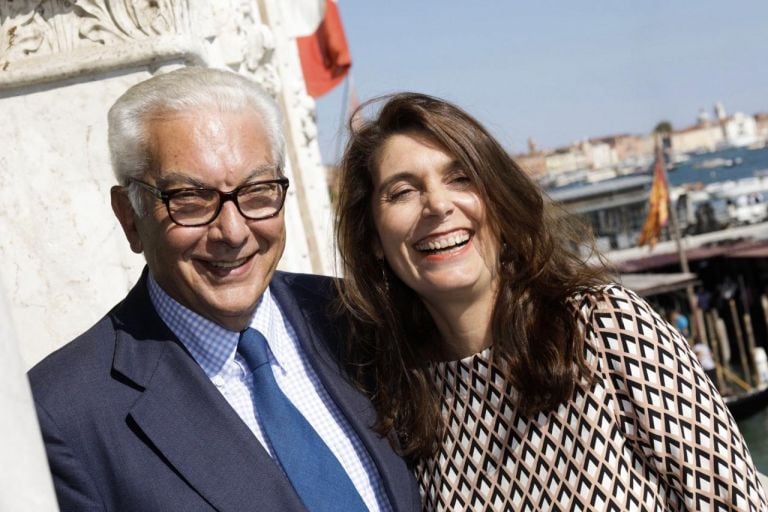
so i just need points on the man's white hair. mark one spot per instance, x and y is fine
(184, 90)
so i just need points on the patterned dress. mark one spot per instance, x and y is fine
(651, 433)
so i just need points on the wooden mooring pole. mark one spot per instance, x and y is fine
(740, 341)
(714, 346)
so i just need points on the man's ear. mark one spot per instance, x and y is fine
(126, 215)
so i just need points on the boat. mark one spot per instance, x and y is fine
(748, 403)
(714, 163)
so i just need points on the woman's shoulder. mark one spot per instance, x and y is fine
(624, 331)
(616, 319)
(608, 299)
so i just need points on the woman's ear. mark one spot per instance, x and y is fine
(378, 252)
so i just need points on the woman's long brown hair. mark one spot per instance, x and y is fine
(392, 336)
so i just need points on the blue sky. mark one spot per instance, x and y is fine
(558, 70)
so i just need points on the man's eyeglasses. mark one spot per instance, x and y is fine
(199, 206)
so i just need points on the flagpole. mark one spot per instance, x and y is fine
(343, 119)
(674, 227)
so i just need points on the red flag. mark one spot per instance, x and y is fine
(324, 55)
(658, 204)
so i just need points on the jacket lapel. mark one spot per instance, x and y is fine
(307, 309)
(188, 421)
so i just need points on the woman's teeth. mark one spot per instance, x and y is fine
(443, 243)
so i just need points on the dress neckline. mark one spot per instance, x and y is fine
(484, 355)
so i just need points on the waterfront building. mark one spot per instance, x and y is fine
(737, 130)
(740, 130)
(699, 138)
(633, 150)
(533, 163)
(566, 159)
(615, 209)
(598, 158)
(761, 126)
(590, 160)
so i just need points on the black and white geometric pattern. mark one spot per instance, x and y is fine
(650, 434)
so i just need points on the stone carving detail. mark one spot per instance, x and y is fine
(40, 27)
(247, 44)
(305, 107)
(259, 61)
(34, 27)
(115, 21)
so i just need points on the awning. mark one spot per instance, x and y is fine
(646, 285)
(749, 252)
(741, 249)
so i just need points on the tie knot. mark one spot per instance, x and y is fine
(253, 347)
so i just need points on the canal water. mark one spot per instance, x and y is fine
(755, 432)
(744, 163)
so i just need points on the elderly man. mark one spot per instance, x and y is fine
(214, 384)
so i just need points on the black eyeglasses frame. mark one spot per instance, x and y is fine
(166, 195)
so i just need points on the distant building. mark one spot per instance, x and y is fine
(533, 148)
(703, 118)
(615, 209)
(761, 126)
(598, 158)
(534, 164)
(566, 159)
(699, 138)
(720, 114)
(740, 130)
(705, 136)
(592, 159)
(599, 153)
(633, 150)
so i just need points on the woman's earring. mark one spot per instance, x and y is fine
(384, 278)
(504, 257)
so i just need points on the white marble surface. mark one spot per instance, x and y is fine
(24, 480)
(65, 260)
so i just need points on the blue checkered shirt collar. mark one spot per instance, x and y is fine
(211, 345)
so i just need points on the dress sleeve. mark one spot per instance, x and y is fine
(667, 408)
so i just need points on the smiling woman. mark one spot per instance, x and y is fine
(433, 232)
(511, 372)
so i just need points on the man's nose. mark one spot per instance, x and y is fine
(230, 226)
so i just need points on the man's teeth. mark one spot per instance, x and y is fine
(443, 243)
(227, 264)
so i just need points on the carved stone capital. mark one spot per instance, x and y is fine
(52, 40)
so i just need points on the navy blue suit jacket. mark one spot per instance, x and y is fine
(132, 423)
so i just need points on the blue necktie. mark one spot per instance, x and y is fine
(315, 473)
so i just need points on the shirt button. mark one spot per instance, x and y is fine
(218, 381)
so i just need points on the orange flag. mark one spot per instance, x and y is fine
(658, 204)
(324, 55)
